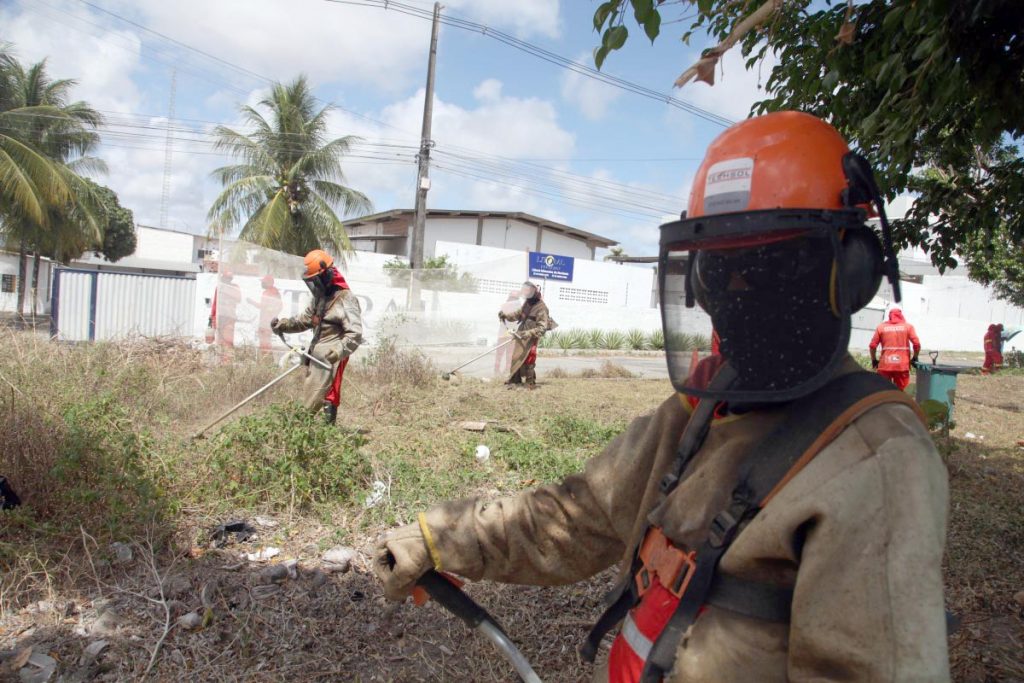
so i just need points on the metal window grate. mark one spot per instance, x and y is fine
(496, 286)
(8, 283)
(586, 296)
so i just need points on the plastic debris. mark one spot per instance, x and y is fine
(231, 532)
(376, 495)
(483, 453)
(263, 554)
(265, 522)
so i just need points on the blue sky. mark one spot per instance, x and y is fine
(513, 132)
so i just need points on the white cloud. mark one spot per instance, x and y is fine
(735, 88)
(104, 64)
(590, 96)
(524, 17)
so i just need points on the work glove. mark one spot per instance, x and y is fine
(332, 356)
(400, 559)
(913, 362)
(874, 363)
(501, 316)
(274, 323)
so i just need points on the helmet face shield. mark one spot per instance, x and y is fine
(768, 280)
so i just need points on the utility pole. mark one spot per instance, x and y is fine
(165, 195)
(423, 171)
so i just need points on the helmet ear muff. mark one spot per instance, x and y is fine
(861, 267)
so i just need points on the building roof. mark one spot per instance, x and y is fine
(134, 262)
(596, 240)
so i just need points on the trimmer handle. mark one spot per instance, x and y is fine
(934, 355)
(447, 593)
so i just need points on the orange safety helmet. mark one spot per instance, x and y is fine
(317, 261)
(785, 160)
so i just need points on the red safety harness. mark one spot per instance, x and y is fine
(669, 585)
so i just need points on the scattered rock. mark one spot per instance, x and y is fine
(275, 573)
(122, 552)
(317, 579)
(177, 657)
(292, 566)
(1018, 598)
(446, 650)
(93, 650)
(266, 522)
(309, 550)
(338, 559)
(190, 621)
(262, 592)
(471, 426)
(107, 622)
(39, 668)
(263, 554)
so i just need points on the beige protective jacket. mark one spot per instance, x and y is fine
(341, 333)
(859, 533)
(533, 323)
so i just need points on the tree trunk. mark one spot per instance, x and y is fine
(35, 283)
(21, 279)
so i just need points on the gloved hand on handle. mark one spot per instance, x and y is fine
(874, 363)
(400, 559)
(274, 323)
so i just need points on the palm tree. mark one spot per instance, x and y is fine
(289, 184)
(44, 143)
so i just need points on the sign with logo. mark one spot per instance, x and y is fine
(551, 266)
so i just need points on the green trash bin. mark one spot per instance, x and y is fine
(938, 383)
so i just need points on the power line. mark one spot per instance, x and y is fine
(547, 56)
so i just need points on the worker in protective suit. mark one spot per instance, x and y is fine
(335, 318)
(993, 349)
(533, 321)
(791, 526)
(224, 309)
(900, 349)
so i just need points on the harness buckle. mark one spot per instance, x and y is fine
(664, 562)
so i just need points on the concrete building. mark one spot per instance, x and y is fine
(388, 233)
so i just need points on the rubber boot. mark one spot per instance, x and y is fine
(330, 412)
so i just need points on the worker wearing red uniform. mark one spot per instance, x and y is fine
(896, 337)
(993, 349)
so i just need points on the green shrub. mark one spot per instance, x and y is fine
(596, 339)
(285, 457)
(568, 430)
(550, 340)
(578, 339)
(92, 470)
(613, 340)
(656, 340)
(637, 339)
